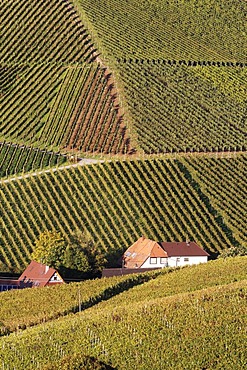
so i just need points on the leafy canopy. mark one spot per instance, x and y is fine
(80, 256)
(49, 249)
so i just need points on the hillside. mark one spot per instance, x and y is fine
(136, 84)
(97, 78)
(118, 201)
(172, 319)
(180, 69)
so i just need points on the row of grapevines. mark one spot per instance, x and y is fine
(188, 330)
(47, 32)
(92, 116)
(180, 108)
(15, 159)
(62, 300)
(117, 202)
(169, 29)
(25, 107)
(186, 279)
(224, 182)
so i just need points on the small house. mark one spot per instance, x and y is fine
(184, 253)
(146, 253)
(39, 275)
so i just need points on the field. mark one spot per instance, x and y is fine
(125, 119)
(167, 199)
(177, 318)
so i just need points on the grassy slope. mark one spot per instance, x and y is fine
(172, 325)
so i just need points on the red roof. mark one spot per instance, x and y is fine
(180, 249)
(39, 275)
(140, 251)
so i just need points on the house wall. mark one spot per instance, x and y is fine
(56, 278)
(181, 261)
(174, 261)
(158, 264)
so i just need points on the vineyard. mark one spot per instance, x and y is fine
(168, 310)
(67, 298)
(103, 79)
(209, 30)
(117, 201)
(188, 108)
(15, 159)
(53, 92)
(121, 119)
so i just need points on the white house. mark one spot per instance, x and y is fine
(184, 253)
(146, 253)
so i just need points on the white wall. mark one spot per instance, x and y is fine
(175, 261)
(181, 261)
(55, 278)
(147, 263)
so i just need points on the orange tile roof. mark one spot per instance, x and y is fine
(37, 274)
(140, 251)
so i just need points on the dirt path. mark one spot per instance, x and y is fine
(82, 162)
(137, 156)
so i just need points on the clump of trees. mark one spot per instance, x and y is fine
(240, 250)
(80, 257)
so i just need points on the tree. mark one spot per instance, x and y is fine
(79, 258)
(49, 249)
(84, 255)
(240, 250)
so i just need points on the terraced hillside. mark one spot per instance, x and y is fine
(118, 201)
(183, 310)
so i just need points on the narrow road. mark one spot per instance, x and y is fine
(88, 161)
(82, 162)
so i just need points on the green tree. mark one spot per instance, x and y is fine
(240, 250)
(79, 258)
(82, 254)
(49, 249)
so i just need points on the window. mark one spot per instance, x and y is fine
(163, 260)
(186, 259)
(153, 260)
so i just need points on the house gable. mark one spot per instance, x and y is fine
(37, 274)
(141, 251)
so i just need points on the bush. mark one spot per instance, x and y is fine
(234, 251)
